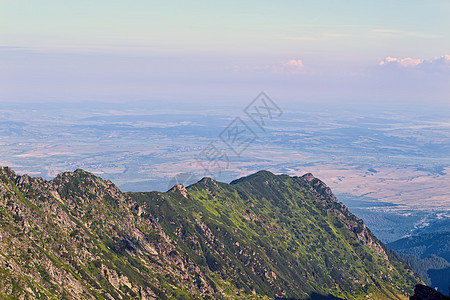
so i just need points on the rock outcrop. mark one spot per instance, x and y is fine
(423, 292)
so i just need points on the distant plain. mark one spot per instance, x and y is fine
(381, 161)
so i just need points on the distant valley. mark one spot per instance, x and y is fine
(389, 165)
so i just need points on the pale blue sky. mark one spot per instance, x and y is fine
(200, 45)
(239, 27)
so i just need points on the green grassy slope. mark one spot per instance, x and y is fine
(77, 236)
(278, 235)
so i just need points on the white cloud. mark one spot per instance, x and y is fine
(402, 62)
(442, 60)
(408, 62)
(293, 66)
(294, 63)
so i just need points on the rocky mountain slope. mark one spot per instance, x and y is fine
(262, 236)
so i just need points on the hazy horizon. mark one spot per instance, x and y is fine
(212, 52)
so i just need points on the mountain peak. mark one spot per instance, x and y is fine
(308, 177)
(262, 175)
(8, 171)
(179, 188)
(207, 181)
(265, 173)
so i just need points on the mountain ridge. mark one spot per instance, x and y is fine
(259, 237)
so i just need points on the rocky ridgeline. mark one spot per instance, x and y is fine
(78, 236)
(263, 236)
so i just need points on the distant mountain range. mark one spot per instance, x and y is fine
(263, 236)
(429, 255)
